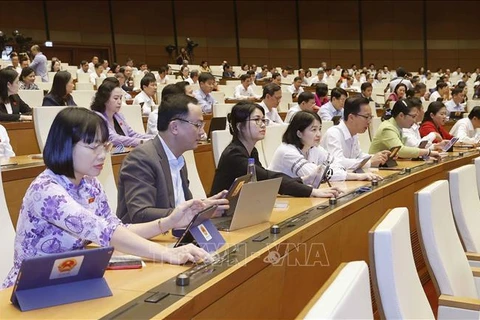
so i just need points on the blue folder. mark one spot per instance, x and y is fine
(62, 278)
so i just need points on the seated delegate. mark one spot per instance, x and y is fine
(107, 103)
(434, 120)
(388, 134)
(65, 208)
(61, 92)
(300, 154)
(248, 125)
(12, 107)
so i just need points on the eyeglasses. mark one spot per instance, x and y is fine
(260, 121)
(199, 125)
(412, 115)
(368, 117)
(99, 147)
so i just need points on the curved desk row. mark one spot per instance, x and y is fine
(274, 278)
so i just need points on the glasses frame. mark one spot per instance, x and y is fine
(368, 118)
(260, 121)
(107, 147)
(199, 126)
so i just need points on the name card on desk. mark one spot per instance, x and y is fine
(62, 278)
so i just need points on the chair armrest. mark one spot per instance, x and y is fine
(473, 256)
(459, 302)
(476, 272)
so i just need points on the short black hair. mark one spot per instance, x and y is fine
(365, 86)
(352, 106)
(71, 125)
(402, 106)
(147, 79)
(103, 94)
(474, 113)
(6, 76)
(296, 79)
(240, 114)
(456, 91)
(300, 121)
(305, 97)
(441, 85)
(173, 107)
(205, 76)
(171, 89)
(337, 93)
(321, 89)
(26, 72)
(401, 72)
(244, 77)
(270, 89)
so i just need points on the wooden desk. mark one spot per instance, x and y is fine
(257, 286)
(22, 137)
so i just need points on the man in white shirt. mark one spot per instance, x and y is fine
(455, 104)
(162, 77)
(284, 75)
(342, 140)
(466, 129)
(16, 62)
(143, 69)
(442, 90)
(401, 77)
(306, 102)
(327, 75)
(276, 78)
(205, 99)
(91, 65)
(334, 107)
(243, 91)
(347, 84)
(145, 98)
(169, 90)
(411, 136)
(318, 78)
(83, 67)
(272, 94)
(153, 179)
(193, 79)
(296, 88)
(97, 74)
(301, 75)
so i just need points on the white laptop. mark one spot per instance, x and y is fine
(254, 206)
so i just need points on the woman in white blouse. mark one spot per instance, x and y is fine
(300, 154)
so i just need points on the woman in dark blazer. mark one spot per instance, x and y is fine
(248, 125)
(60, 94)
(12, 107)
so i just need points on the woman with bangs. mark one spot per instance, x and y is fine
(65, 208)
(248, 125)
(300, 154)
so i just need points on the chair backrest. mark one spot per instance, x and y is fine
(273, 138)
(133, 115)
(83, 86)
(83, 98)
(45, 86)
(364, 140)
(227, 89)
(7, 235)
(99, 81)
(476, 161)
(107, 179)
(346, 295)
(83, 77)
(38, 79)
(286, 100)
(398, 291)
(466, 205)
(325, 126)
(34, 98)
(42, 120)
(220, 140)
(446, 260)
(218, 96)
(233, 82)
(195, 186)
(222, 110)
(373, 127)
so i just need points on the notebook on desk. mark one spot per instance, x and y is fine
(61, 278)
(255, 204)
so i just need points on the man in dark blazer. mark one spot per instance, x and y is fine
(153, 178)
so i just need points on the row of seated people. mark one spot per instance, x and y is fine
(153, 183)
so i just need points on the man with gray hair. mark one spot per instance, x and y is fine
(39, 63)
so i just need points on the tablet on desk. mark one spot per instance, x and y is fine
(391, 158)
(449, 146)
(358, 169)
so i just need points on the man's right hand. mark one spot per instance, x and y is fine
(379, 158)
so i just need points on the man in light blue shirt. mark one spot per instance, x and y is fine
(39, 63)
(455, 104)
(335, 106)
(206, 82)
